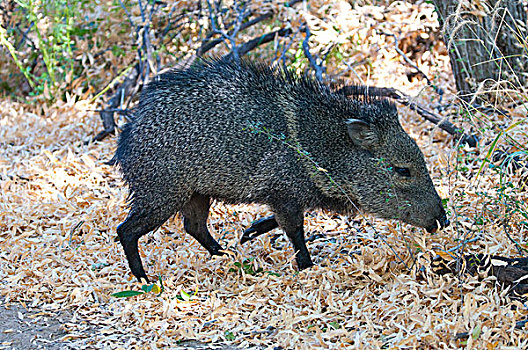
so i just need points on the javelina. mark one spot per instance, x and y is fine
(246, 133)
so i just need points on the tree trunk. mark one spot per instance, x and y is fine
(486, 41)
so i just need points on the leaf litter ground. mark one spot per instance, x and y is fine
(60, 204)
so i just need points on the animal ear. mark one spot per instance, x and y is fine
(362, 133)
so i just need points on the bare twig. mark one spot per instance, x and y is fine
(253, 43)
(286, 47)
(242, 14)
(463, 244)
(170, 22)
(24, 36)
(145, 61)
(350, 67)
(319, 68)
(209, 44)
(129, 87)
(138, 76)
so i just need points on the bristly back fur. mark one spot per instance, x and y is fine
(288, 89)
(362, 93)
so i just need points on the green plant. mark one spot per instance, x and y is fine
(229, 336)
(334, 325)
(146, 288)
(12, 51)
(184, 296)
(246, 266)
(47, 62)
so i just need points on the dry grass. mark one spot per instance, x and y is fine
(60, 205)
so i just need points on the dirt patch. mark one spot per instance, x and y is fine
(193, 344)
(31, 329)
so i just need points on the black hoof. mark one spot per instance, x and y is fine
(247, 235)
(143, 279)
(258, 228)
(303, 265)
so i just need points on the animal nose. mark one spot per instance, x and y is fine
(442, 221)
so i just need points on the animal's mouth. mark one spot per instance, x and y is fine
(438, 225)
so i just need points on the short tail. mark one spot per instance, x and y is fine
(122, 145)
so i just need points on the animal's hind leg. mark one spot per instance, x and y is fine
(145, 215)
(259, 227)
(195, 213)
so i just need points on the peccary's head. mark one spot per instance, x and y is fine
(392, 180)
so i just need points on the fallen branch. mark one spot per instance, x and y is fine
(282, 56)
(129, 87)
(510, 272)
(406, 100)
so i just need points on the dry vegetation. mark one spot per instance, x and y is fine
(60, 205)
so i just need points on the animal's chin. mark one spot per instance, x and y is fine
(431, 228)
(407, 218)
(438, 224)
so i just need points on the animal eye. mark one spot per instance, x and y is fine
(405, 172)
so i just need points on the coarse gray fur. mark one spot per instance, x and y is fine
(247, 133)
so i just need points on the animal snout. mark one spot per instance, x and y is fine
(441, 222)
